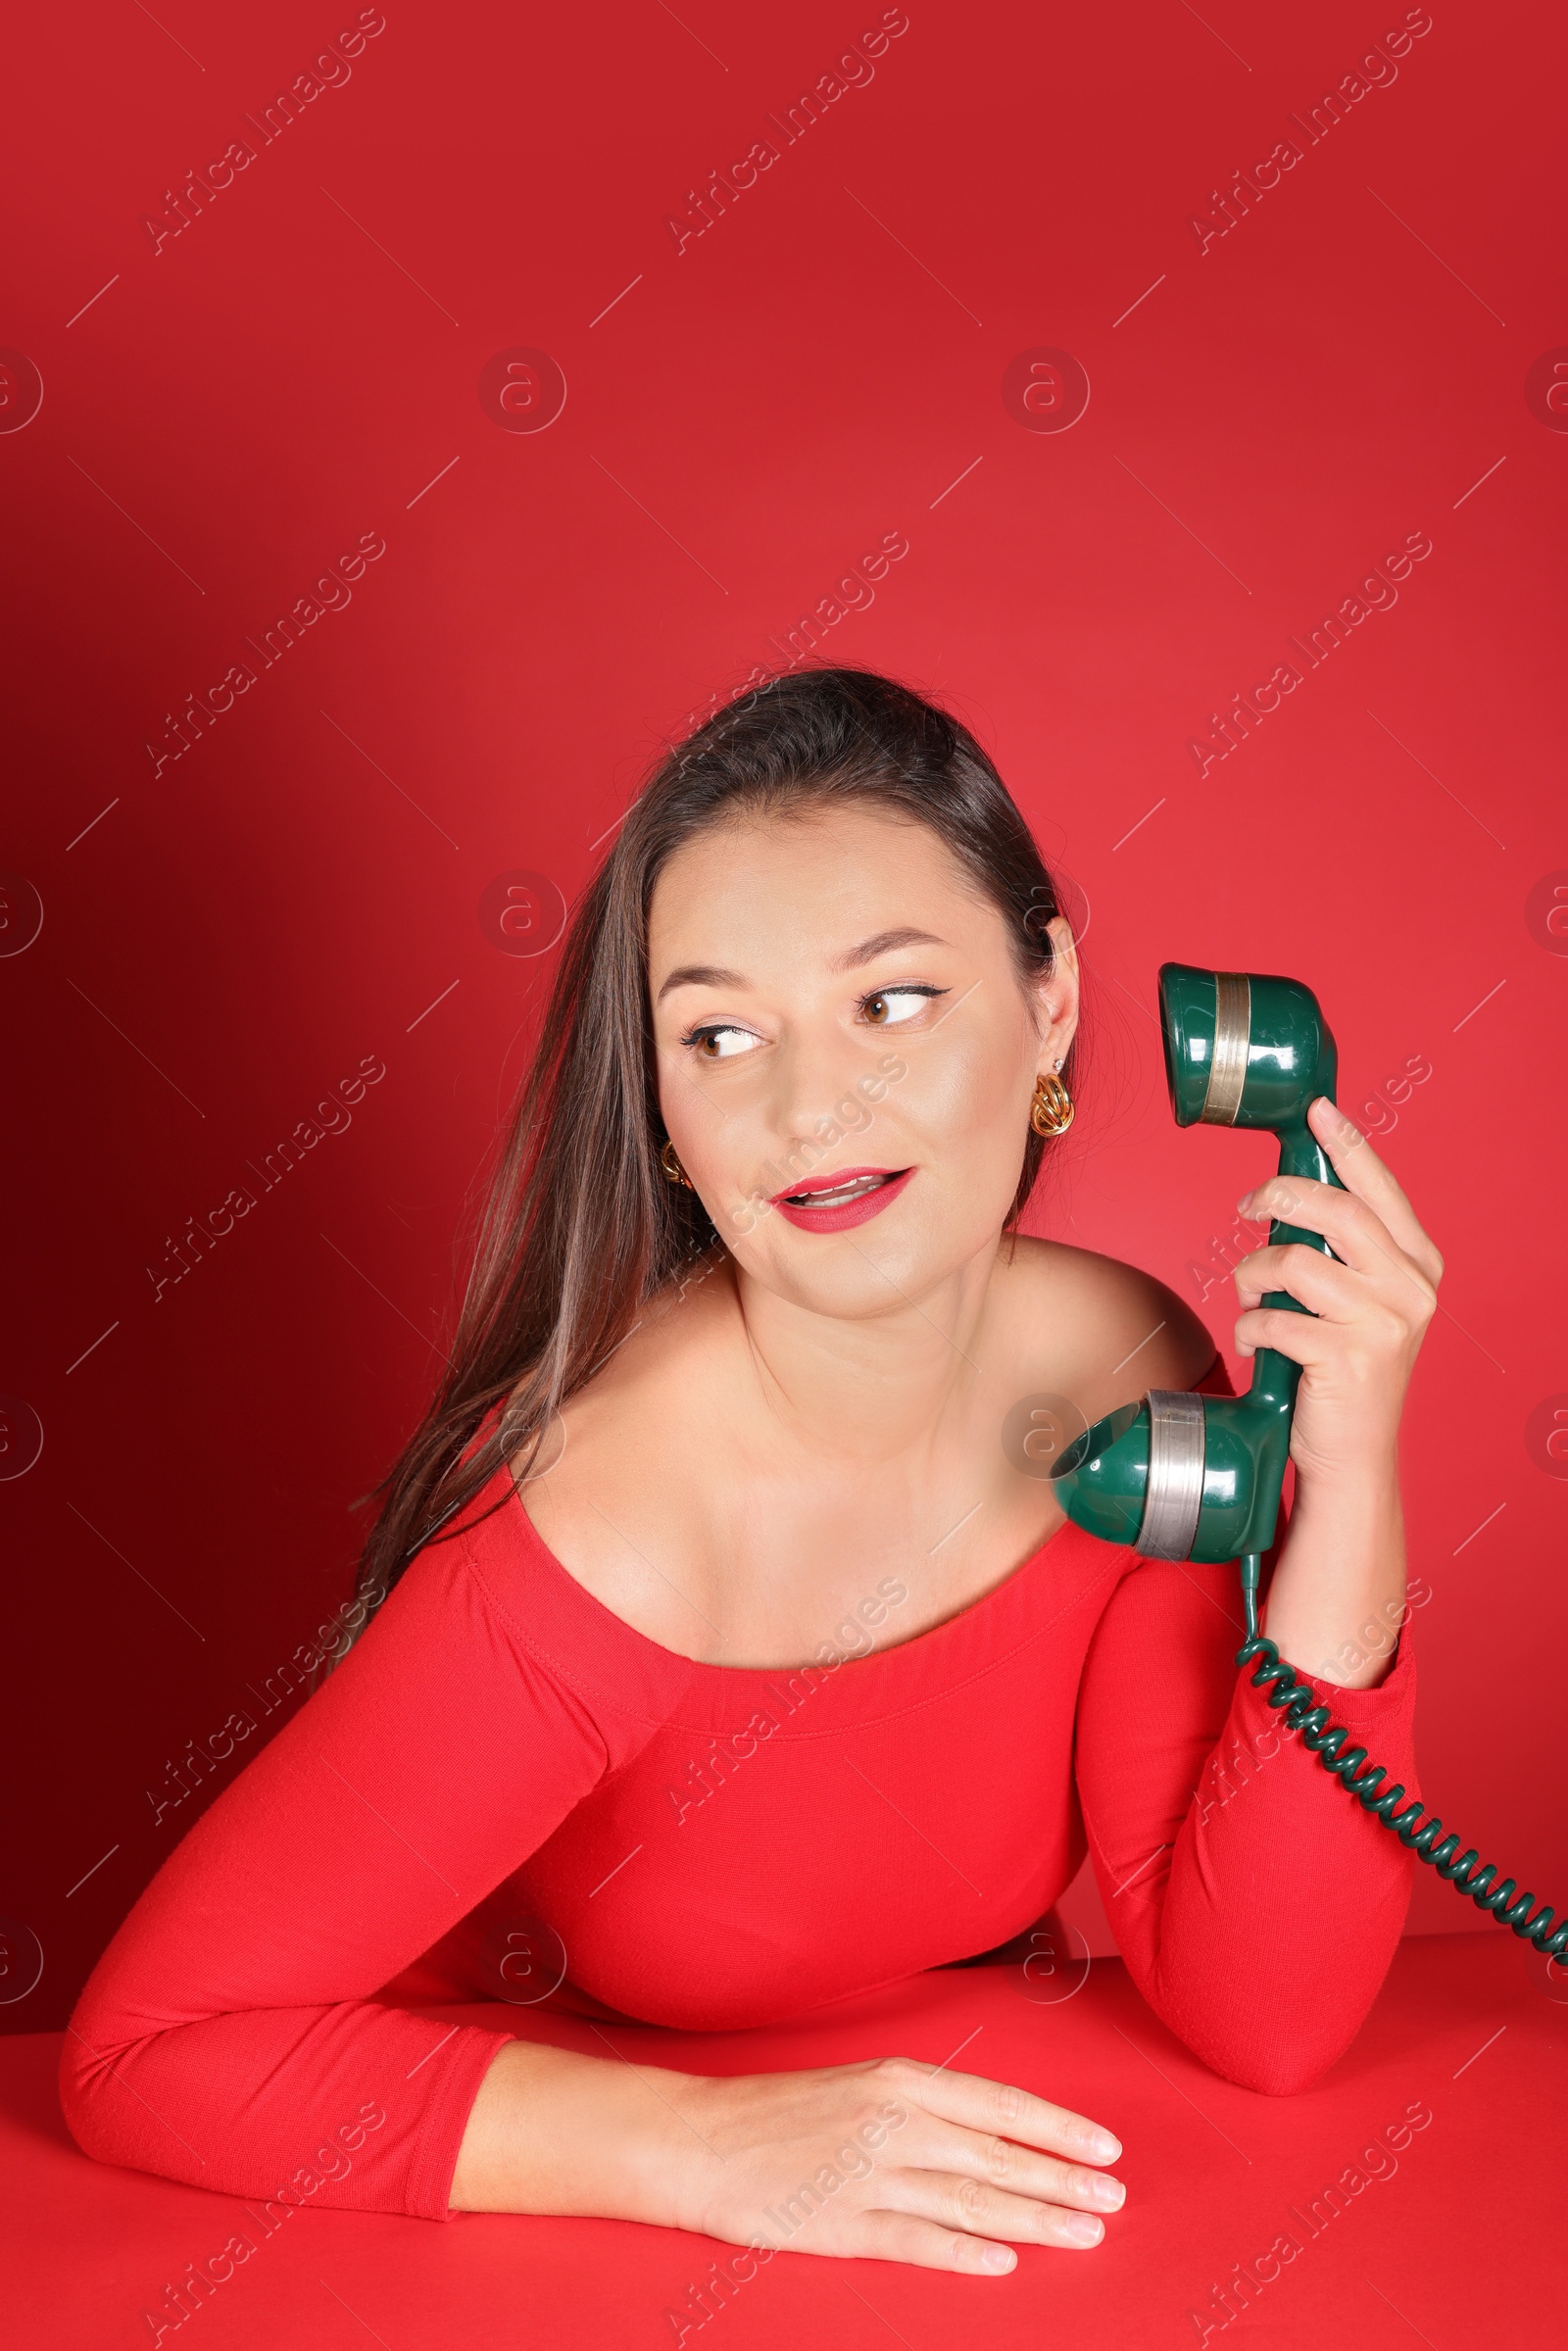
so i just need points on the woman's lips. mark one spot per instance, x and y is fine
(850, 1197)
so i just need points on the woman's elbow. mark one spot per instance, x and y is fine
(1280, 2076)
(1277, 2068)
(81, 2108)
(98, 2111)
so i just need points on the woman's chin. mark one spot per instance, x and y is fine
(866, 1276)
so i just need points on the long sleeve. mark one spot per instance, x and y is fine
(1256, 1905)
(228, 2037)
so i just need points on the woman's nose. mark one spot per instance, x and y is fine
(820, 1087)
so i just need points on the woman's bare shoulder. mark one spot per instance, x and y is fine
(1110, 1330)
(656, 1374)
(609, 1492)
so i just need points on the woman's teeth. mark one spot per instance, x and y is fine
(845, 1193)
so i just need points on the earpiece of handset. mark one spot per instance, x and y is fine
(1190, 1476)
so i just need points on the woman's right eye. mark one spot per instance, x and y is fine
(720, 1043)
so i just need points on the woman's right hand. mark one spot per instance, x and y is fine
(891, 2160)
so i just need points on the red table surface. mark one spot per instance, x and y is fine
(1467, 2229)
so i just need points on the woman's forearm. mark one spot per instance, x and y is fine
(1337, 1598)
(553, 2131)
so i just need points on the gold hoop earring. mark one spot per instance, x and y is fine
(1053, 1110)
(674, 1173)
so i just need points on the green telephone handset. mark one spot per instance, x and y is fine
(1199, 1477)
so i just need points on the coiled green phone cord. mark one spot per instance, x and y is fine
(1327, 1742)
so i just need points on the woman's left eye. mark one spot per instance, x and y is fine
(720, 1043)
(892, 1005)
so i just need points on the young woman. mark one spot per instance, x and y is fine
(730, 1656)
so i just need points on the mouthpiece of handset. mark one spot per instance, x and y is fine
(1174, 1476)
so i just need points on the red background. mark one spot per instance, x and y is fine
(225, 939)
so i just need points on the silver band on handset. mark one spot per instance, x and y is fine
(1175, 1474)
(1232, 1031)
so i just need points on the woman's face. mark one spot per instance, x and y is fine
(847, 1053)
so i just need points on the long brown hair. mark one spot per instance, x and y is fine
(580, 1227)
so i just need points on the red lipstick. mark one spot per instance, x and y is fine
(850, 1197)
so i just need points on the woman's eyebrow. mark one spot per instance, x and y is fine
(700, 975)
(883, 944)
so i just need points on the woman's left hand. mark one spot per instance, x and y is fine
(1371, 1309)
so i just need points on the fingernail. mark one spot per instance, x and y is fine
(1084, 2228)
(1108, 2192)
(1243, 1204)
(1103, 2147)
(998, 2256)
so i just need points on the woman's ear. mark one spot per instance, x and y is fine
(1057, 995)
